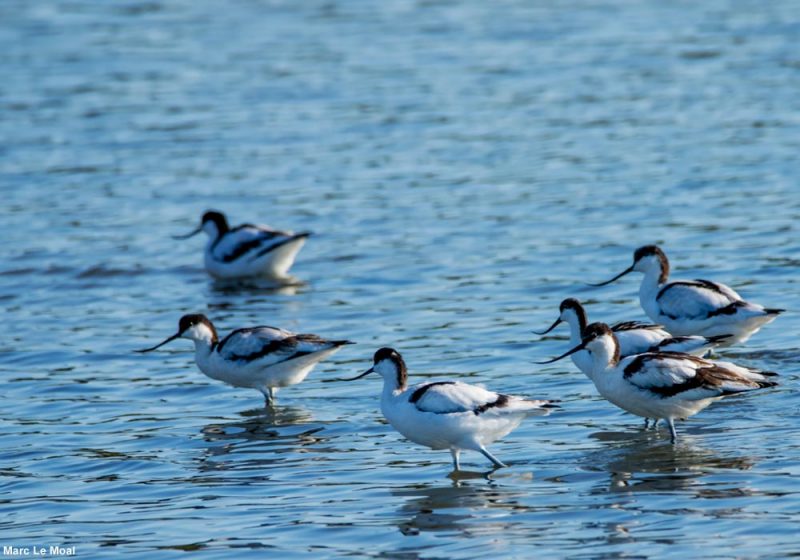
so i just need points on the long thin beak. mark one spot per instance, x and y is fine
(554, 325)
(617, 277)
(170, 339)
(579, 347)
(370, 370)
(190, 234)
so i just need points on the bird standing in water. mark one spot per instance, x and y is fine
(448, 414)
(662, 385)
(688, 307)
(261, 358)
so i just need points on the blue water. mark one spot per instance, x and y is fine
(465, 166)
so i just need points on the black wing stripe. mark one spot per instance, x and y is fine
(667, 391)
(281, 243)
(267, 349)
(729, 309)
(502, 401)
(676, 340)
(640, 361)
(699, 283)
(420, 391)
(634, 325)
(240, 331)
(245, 247)
(285, 345)
(707, 376)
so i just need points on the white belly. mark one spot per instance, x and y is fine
(274, 265)
(464, 430)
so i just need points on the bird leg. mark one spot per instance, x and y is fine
(456, 453)
(495, 461)
(673, 434)
(269, 396)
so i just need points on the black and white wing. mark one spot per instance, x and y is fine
(452, 397)
(270, 345)
(635, 326)
(447, 397)
(250, 242)
(668, 374)
(694, 344)
(696, 299)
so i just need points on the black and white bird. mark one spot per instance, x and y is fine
(247, 250)
(688, 307)
(634, 337)
(662, 385)
(448, 414)
(261, 358)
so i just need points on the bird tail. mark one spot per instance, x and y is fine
(718, 338)
(762, 378)
(765, 381)
(540, 407)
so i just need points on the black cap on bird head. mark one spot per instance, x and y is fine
(185, 323)
(591, 333)
(387, 354)
(212, 216)
(650, 251)
(642, 253)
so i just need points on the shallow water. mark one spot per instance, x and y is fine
(464, 168)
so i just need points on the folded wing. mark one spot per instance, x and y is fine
(668, 374)
(270, 345)
(695, 299)
(248, 241)
(450, 397)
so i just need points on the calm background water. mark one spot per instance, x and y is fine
(465, 165)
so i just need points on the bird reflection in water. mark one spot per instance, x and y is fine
(257, 286)
(262, 437)
(455, 507)
(641, 462)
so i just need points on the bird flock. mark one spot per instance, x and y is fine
(653, 370)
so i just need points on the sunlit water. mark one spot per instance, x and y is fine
(465, 166)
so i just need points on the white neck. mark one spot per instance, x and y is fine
(390, 388)
(203, 339)
(210, 228)
(202, 350)
(574, 328)
(390, 381)
(604, 353)
(648, 291)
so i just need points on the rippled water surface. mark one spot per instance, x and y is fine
(465, 166)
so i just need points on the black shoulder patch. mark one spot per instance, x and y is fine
(502, 401)
(636, 364)
(420, 391)
(229, 336)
